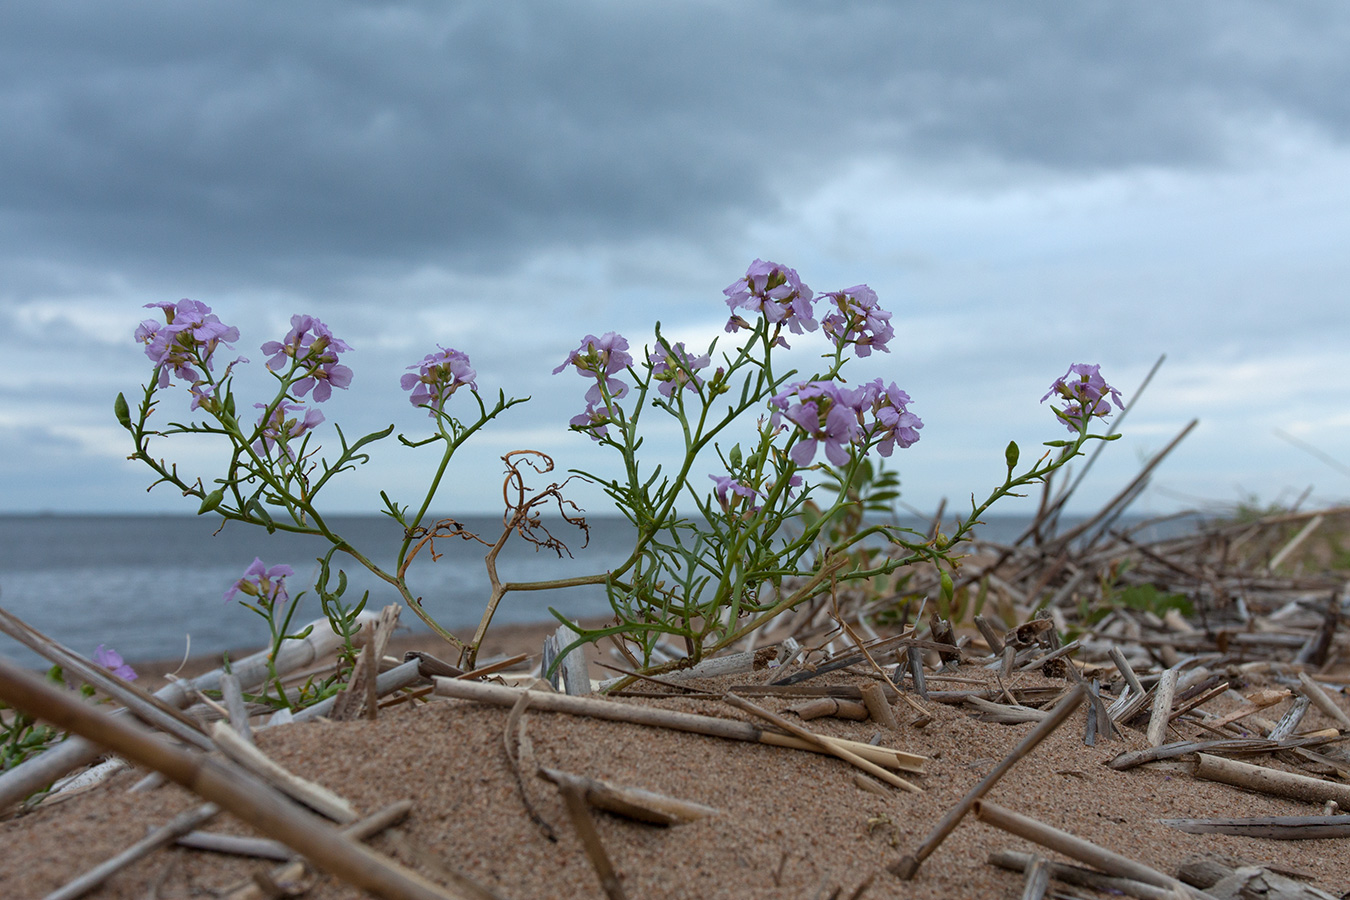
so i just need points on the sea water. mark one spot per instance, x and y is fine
(151, 587)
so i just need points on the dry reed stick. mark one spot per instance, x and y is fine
(36, 773)
(831, 747)
(1162, 707)
(908, 865)
(1319, 697)
(630, 802)
(232, 789)
(874, 698)
(731, 729)
(1072, 846)
(315, 796)
(1080, 877)
(161, 837)
(574, 796)
(360, 830)
(1271, 781)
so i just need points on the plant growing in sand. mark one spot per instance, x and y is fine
(749, 523)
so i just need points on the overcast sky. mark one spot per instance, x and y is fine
(1024, 185)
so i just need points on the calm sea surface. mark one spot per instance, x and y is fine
(145, 585)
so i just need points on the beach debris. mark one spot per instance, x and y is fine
(908, 865)
(1270, 781)
(1278, 828)
(315, 796)
(614, 711)
(571, 674)
(574, 797)
(40, 771)
(1074, 847)
(830, 706)
(1019, 861)
(633, 803)
(224, 784)
(1245, 882)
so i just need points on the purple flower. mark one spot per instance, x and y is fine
(893, 420)
(267, 585)
(594, 420)
(281, 427)
(599, 358)
(775, 292)
(312, 345)
(438, 376)
(679, 374)
(1086, 395)
(189, 336)
(824, 412)
(113, 662)
(725, 484)
(858, 320)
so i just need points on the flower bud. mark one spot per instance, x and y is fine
(123, 411)
(211, 501)
(948, 589)
(1011, 454)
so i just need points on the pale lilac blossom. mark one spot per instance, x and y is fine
(858, 320)
(892, 420)
(777, 293)
(727, 489)
(1086, 393)
(189, 336)
(112, 661)
(282, 427)
(825, 413)
(680, 373)
(267, 586)
(311, 344)
(437, 377)
(599, 358)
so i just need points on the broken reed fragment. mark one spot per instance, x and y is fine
(1271, 781)
(908, 865)
(1277, 828)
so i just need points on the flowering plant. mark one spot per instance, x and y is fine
(710, 563)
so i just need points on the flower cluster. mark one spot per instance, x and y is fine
(268, 586)
(727, 489)
(113, 662)
(188, 337)
(681, 373)
(281, 427)
(826, 413)
(315, 352)
(1085, 393)
(599, 358)
(858, 320)
(777, 293)
(437, 377)
(893, 422)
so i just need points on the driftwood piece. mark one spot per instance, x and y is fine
(231, 788)
(161, 837)
(731, 729)
(630, 802)
(1078, 876)
(1072, 846)
(1162, 708)
(1278, 828)
(908, 865)
(1271, 781)
(36, 773)
(1243, 882)
(236, 845)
